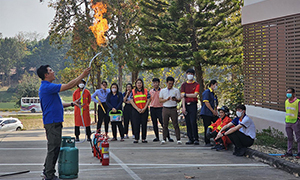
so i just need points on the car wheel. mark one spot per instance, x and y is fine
(18, 129)
(32, 110)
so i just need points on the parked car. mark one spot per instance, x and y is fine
(7, 124)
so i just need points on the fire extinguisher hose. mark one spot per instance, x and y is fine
(87, 80)
(14, 173)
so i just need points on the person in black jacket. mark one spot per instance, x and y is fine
(114, 102)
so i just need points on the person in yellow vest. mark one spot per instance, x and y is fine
(140, 100)
(292, 123)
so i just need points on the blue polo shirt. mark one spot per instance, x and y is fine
(53, 110)
(208, 96)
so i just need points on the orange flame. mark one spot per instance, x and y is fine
(100, 25)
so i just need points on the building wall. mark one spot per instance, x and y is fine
(271, 31)
(261, 10)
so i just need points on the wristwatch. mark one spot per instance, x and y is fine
(72, 104)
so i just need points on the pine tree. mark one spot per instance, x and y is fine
(191, 33)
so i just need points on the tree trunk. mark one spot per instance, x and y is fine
(199, 78)
(134, 76)
(120, 71)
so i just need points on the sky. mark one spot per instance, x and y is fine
(25, 16)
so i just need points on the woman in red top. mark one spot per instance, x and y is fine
(140, 100)
(85, 103)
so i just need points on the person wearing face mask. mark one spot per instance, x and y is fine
(85, 110)
(102, 107)
(209, 111)
(189, 95)
(241, 131)
(214, 128)
(114, 102)
(292, 123)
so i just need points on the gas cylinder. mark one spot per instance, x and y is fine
(105, 153)
(68, 159)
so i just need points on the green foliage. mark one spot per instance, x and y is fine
(230, 84)
(29, 87)
(191, 33)
(272, 138)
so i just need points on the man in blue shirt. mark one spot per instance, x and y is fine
(102, 107)
(52, 108)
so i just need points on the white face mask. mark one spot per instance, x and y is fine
(190, 77)
(81, 85)
(239, 114)
(114, 90)
(216, 87)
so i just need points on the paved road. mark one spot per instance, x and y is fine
(26, 150)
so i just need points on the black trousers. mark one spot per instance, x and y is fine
(139, 119)
(103, 116)
(114, 129)
(191, 121)
(127, 112)
(240, 140)
(53, 134)
(87, 129)
(156, 113)
(207, 120)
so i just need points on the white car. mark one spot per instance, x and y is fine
(7, 124)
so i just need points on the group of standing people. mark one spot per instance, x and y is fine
(163, 106)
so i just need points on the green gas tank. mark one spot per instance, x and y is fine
(68, 159)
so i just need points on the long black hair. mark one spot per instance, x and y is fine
(128, 84)
(139, 79)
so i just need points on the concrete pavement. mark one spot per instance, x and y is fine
(26, 150)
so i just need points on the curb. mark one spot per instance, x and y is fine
(278, 163)
(287, 166)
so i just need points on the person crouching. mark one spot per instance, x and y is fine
(214, 128)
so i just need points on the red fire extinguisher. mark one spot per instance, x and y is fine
(105, 153)
(100, 141)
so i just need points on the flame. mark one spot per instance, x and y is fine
(100, 25)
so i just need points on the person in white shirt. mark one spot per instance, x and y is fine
(243, 133)
(170, 96)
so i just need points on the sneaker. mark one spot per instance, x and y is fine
(122, 139)
(43, 175)
(171, 140)
(216, 146)
(133, 136)
(155, 140)
(77, 139)
(189, 142)
(144, 141)
(196, 142)
(88, 139)
(241, 152)
(126, 136)
(136, 141)
(163, 142)
(298, 156)
(220, 148)
(288, 155)
(207, 145)
(179, 142)
(113, 139)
